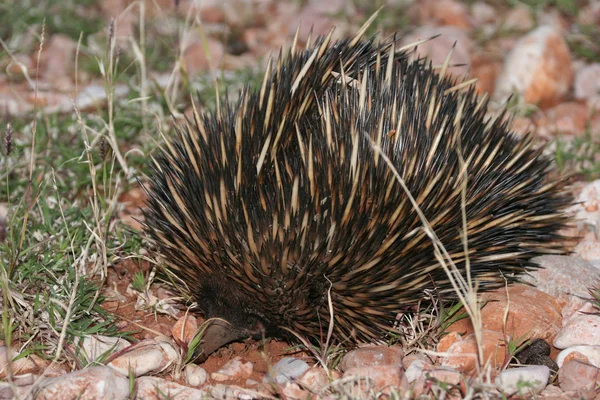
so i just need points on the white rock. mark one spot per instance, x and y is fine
(587, 204)
(587, 84)
(581, 330)
(94, 95)
(94, 346)
(523, 380)
(592, 353)
(286, 369)
(233, 370)
(538, 67)
(483, 12)
(89, 383)
(150, 387)
(195, 375)
(414, 370)
(562, 276)
(146, 356)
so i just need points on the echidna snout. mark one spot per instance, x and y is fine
(276, 210)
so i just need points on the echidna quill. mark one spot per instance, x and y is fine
(271, 204)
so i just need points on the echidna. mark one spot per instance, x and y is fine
(271, 204)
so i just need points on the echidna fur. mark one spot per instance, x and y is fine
(265, 207)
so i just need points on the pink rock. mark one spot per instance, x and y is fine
(185, 329)
(382, 377)
(21, 366)
(89, 383)
(562, 277)
(371, 355)
(444, 374)
(568, 118)
(447, 341)
(154, 388)
(463, 354)
(531, 313)
(198, 59)
(236, 369)
(579, 331)
(519, 18)
(144, 357)
(538, 67)
(587, 84)
(437, 49)
(314, 378)
(576, 375)
(442, 12)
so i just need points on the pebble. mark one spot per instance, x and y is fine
(235, 369)
(195, 375)
(151, 355)
(381, 377)
(587, 354)
(415, 370)
(523, 380)
(579, 330)
(531, 313)
(538, 68)
(577, 375)
(561, 276)
(90, 383)
(462, 354)
(150, 387)
(286, 369)
(185, 329)
(587, 84)
(95, 346)
(314, 379)
(370, 356)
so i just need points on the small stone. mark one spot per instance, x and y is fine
(371, 355)
(483, 12)
(195, 375)
(562, 277)
(145, 357)
(415, 370)
(519, 18)
(286, 369)
(444, 13)
(447, 341)
(21, 366)
(185, 329)
(235, 369)
(523, 380)
(531, 313)
(444, 374)
(567, 118)
(382, 377)
(587, 85)
(199, 59)
(576, 375)
(314, 379)
(94, 346)
(587, 354)
(462, 355)
(291, 390)
(579, 330)
(150, 387)
(538, 68)
(90, 383)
